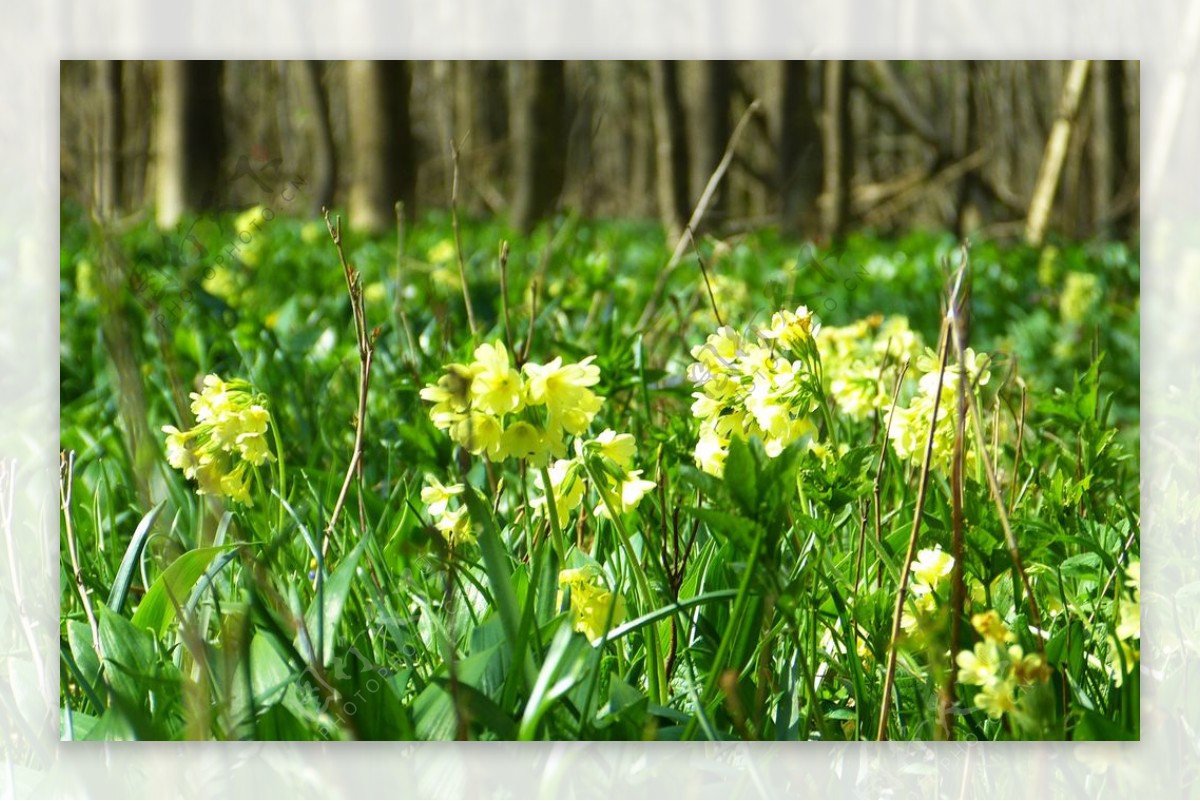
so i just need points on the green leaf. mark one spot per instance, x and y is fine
(325, 611)
(725, 526)
(1084, 565)
(495, 561)
(741, 476)
(129, 563)
(270, 672)
(137, 674)
(433, 710)
(171, 589)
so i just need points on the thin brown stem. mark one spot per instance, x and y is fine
(504, 295)
(906, 568)
(707, 284)
(366, 353)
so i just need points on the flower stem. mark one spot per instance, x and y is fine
(655, 672)
(556, 533)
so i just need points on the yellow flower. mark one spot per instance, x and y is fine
(619, 448)
(594, 608)
(719, 350)
(931, 566)
(478, 432)
(626, 494)
(925, 604)
(496, 386)
(179, 452)
(563, 390)
(711, 450)
(436, 496)
(790, 329)
(996, 699)
(522, 440)
(212, 401)
(229, 435)
(567, 487)
(455, 526)
(452, 392)
(982, 666)
(1031, 669)
(234, 485)
(442, 253)
(991, 627)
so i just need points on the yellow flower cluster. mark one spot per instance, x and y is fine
(595, 609)
(909, 428)
(454, 524)
(229, 438)
(929, 570)
(997, 667)
(763, 386)
(854, 360)
(488, 406)
(611, 455)
(1081, 292)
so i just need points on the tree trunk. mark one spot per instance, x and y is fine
(538, 125)
(112, 138)
(671, 147)
(798, 142)
(967, 216)
(382, 161)
(191, 139)
(710, 127)
(324, 162)
(1056, 153)
(1109, 148)
(839, 153)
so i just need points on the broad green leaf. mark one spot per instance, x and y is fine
(129, 564)
(172, 588)
(325, 611)
(741, 476)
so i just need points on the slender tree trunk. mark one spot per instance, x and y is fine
(671, 146)
(798, 143)
(710, 126)
(967, 216)
(1055, 154)
(324, 163)
(538, 123)
(112, 137)
(382, 161)
(839, 152)
(1109, 148)
(191, 139)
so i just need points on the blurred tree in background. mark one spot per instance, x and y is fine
(998, 149)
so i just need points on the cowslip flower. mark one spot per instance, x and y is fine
(855, 361)
(760, 386)
(991, 627)
(931, 566)
(997, 667)
(909, 427)
(564, 390)
(997, 699)
(595, 609)
(436, 496)
(488, 406)
(454, 524)
(228, 439)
